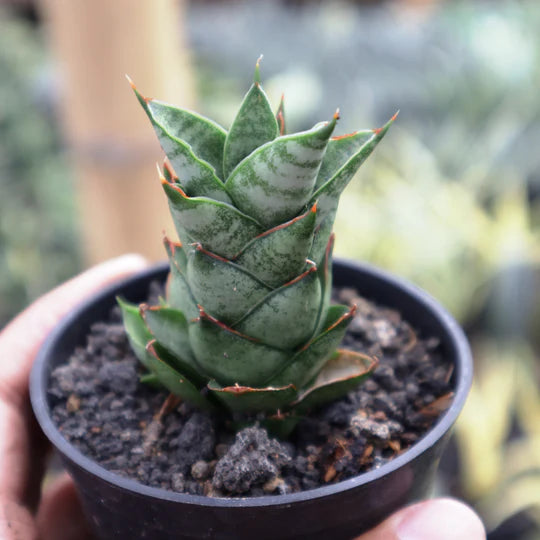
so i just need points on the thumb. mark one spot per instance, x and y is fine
(443, 519)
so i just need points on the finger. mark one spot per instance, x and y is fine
(60, 515)
(16, 522)
(21, 339)
(443, 519)
(20, 471)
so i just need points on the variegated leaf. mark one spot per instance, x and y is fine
(338, 152)
(307, 362)
(231, 357)
(170, 328)
(244, 398)
(197, 177)
(205, 137)
(279, 254)
(325, 277)
(219, 227)
(224, 289)
(253, 126)
(285, 318)
(328, 194)
(179, 294)
(276, 181)
(176, 382)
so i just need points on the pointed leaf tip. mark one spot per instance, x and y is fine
(257, 74)
(378, 131)
(130, 81)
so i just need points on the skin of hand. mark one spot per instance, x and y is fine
(29, 513)
(26, 513)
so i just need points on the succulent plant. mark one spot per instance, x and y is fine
(247, 323)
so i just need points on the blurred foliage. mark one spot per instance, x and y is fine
(37, 234)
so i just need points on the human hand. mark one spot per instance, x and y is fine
(28, 514)
(25, 512)
(436, 519)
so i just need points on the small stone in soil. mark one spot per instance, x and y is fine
(252, 460)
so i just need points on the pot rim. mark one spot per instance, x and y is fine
(464, 373)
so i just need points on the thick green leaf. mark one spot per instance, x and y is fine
(230, 357)
(321, 237)
(327, 196)
(225, 290)
(307, 362)
(325, 277)
(244, 398)
(253, 126)
(279, 254)
(137, 331)
(343, 373)
(179, 294)
(338, 152)
(205, 137)
(198, 178)
(177, 383)
(286, 318)
(276, 181)
(170, 328)
(219, 227)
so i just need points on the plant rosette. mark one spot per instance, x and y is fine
(246, 328)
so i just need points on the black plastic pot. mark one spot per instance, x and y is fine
(118, 507)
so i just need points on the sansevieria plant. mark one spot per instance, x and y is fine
(247, 324)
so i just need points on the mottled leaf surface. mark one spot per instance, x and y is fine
(276, 181)
(179, 294)
(327, 196)
(279, 254)
(253, 126)
(230, 357)
(325, 277)
(225, 290)
(170, 328)
(176, 382)
(219, 227)
(303, 366)
(205, 137)
(244, 398)
(338, 152)
(286, 317)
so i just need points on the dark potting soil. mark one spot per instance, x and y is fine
(129, 428)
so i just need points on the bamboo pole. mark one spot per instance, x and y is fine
(114, 151)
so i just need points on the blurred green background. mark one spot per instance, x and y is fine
(451, 200)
